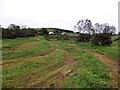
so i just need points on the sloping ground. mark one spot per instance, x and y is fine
(33, 67)
(23, 59)
(52, 67)
(56, 79)
(111, 64)
(26, 46)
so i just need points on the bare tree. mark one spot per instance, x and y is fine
(13, 27)
(97, 28)
(112, 29)
(109, 29)
(23, 26)
(84, 26)
(88, 26)
(79, 26)
(104, 28)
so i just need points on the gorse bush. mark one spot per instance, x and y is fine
(83, 38)
(101, 39)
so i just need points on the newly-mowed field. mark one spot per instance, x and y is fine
(34, 62)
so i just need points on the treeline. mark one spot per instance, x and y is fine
(97, 34)
(10, 33)
(14, 31)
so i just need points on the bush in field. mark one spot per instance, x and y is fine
(102, 39)
(95, 40)
(44, 31)
(51, 37)
(57, 37)
(6, 33)
(31, 32)
(83, 38)
(63, 37)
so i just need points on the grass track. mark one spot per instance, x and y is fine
(35, 68)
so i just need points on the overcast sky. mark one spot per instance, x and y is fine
(57, 13)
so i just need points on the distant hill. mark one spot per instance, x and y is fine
(62, 30)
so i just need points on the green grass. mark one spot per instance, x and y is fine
(12, 54)
(111, 51)
(50, 30)
(107, 50)
(89, 72)
(16, 75)
(10, 43)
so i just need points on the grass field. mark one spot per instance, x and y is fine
(107, 50)
(36, 62)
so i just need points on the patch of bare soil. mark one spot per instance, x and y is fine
(46, 52)
(57, 79)
(111, 64)
(26, 46)
(66, 61)
(23, 59)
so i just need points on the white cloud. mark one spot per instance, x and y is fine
(57, 13)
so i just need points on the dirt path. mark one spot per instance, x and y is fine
(57, 79)
(111, 63)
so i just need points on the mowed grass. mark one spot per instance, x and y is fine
(12, 43)
(34, 69)
(88, 72)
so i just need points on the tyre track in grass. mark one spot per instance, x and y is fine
(23, 59)
(111, 63)
(57, 79)
(26, 58)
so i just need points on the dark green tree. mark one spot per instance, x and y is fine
(44, 31)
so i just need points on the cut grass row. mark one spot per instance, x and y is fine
(12, 54)
(15, 76)
(89, 72)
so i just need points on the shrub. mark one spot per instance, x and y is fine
(44, 31)
(63, 37)
(83, 38)
(102, 39)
